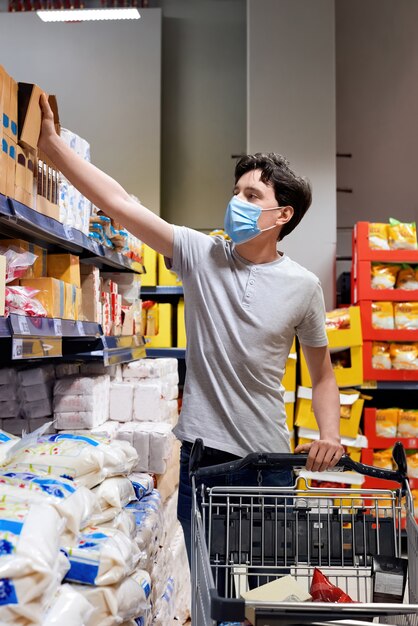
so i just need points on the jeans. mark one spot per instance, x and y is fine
(247, 477)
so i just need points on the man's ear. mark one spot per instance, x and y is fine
(286, 215)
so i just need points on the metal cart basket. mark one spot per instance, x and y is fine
(245, 537)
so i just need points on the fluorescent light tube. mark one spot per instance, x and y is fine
(81, 15)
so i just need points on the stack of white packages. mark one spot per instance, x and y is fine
(26, 398)
(81, 402)
(83, 480)
(75, 209)
(145, 403)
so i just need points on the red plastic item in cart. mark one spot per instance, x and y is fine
(322, 590)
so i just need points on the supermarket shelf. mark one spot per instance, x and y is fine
(175, 353)
(380, 334)
(363, 252)
(113, 350)
(375, 441)
(161, 290)
(389, 385)
(18, 219)
(371, 373)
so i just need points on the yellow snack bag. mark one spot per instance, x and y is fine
(382, 315)
(381, 356)
(402, 235)
(406, 315)
(407, 278)
(384, 276)
(412, 461)
(387, 422)
(378, 236)
(383, 458)
(408, 423)
(404, 356)
(337, 319)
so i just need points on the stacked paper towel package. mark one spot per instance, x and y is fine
(86, 537)
(75, 209)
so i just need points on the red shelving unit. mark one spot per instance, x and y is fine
(376, 442)
(378, 334)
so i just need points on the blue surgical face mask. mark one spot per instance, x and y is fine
(241, 220)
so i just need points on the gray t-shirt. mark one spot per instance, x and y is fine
(241, 319)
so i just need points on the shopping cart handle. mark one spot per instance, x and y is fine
(259, 460)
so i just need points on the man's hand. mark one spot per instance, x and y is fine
(322, 454)
(48, 131)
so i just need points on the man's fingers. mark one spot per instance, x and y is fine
(303, 447)
(45, 106)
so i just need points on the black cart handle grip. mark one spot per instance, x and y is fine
(258, 460)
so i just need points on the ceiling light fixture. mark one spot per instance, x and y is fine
(82, 15)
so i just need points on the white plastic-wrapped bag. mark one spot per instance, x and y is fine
(142, 482)
(69, 608)
(7, 440)
(102, 556)
(75, 504)
(149, 524)
(123, 521)
(87, 460)
(116, 604)
(113, 494)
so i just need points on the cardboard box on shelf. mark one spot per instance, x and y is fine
(149, 278)
(12, 129)
(351, 410)
(90, 290)
(29, 114)
(165, 276)
(72, 302)
(38, 269)
(51, 294)
(2, 284)
(181, 326)
(163, 339)
(11, 169)
(128, 320)
(8, 105)
(65, 267)
(350, 376)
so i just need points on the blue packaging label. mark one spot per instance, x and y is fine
(61, 436)
(4, 438)
(82, 571)
(7, 592)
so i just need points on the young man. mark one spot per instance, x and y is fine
(245, 301)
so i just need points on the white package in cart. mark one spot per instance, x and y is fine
(76, 505)
(102, 556)
(121, 401)
(115, 604)
(87, 460)
(69, 608)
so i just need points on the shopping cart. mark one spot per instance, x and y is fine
(244, 534)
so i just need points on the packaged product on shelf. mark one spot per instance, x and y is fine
(33, 393)
(16, 425)
(407, 278)
(378, 236)
(75, 505)
(150, 368)
(36, 375)
(153, 442)
(108, 430)
(23, 301)
(80, 420)
(387, 422)
(68, 608)
(402, 235)
(64, 267)
(87, 460)
(99, 369)
(8, 376)
(9, 408)
(37, 408)
(383, 315)
(165, 611)
(81, 385)
(113, 495)
(412, 461)
(150, 526)
(142, 483)
(408, 423)
(7, 440)
(404, 356)
(67, 369)
(148, 402)
(381, 355)
(121, 401)
(115, 604)
(406, 315)
(90, 289)
(102, 556)
(383, 459)
(18, 262)
(123, 521)
(384, 275)
(51, 294)
(30, 561)
(131, 432)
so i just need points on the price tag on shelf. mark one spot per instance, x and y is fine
(104, 342)
(80, 329)
(58, 327)
(17, 348)
(23, 325)
(95, 247)
(68, 232)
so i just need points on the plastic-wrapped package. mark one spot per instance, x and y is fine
(123, 521)
(81, 385)
(149, 522)
(9, 408)
(30, 535)
(79, 420)
(33, 393)
(113, 494)
(121, 401)
(7, 391)
(115, 604)
(150, 368)
(69, 608)
(37, 408)
(182, 596)
(18, 261)
(16, 425)
(160, 444)
(76, 505)
(67, 369)
(148, 403)
(108, 429)
(36, 422)
(143, 484)
(102, 556)
(36, 375)
(87, 460)
(7, 440)
(8, 376)
(98, 369)
(164, 613)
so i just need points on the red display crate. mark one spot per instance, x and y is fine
(363, 252)
(370, 373)
(376, 442)
(377, 483)
(361, 287)
(377, 334)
